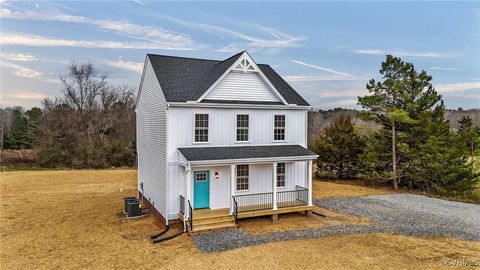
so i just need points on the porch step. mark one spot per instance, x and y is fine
(206, 228)
(212, 220)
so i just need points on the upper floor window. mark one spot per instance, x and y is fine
(242, 127)
(279, 128)
(242, 177)
(280, 174)
(201, 127)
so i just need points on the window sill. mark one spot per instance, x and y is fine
(279, 141)
(201, 142)
(240, 142)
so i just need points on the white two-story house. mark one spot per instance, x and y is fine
(219, 141)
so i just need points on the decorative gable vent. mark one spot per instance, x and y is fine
(244, 66)
(243, 81)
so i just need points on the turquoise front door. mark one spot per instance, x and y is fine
(201, 189)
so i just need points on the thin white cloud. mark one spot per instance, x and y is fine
(334, 93)
(26, 72)
(139, 2)
(346, 102)
(42, 41)
(446, 68)
(130, 66)
(401, 52)
(26, 95)
(280, 40)
(314, 78)
(22, 71)
(336, 72)
(20, 57)
(457, 87)
(157, 38)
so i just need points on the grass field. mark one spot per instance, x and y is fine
(72, 220)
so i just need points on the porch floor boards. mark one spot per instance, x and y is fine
(210, 213)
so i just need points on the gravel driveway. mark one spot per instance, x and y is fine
(407, 214)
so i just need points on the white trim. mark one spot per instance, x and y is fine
(236, 127)
(284, 129)
(245, 55)
(232, 185)
(235, 106)
(253, 160)
(208, 128)
(248, 179)
(231, 145)
(141, 81)
(284, 176)
(274, 186)
(309, 175)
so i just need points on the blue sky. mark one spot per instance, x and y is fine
(327, 51)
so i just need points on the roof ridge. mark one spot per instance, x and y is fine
(235, 55)
(195, 58)
(183, 57)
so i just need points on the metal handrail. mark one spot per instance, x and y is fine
(254, 202)
(290, 198)
(235, 209)
(190, 210)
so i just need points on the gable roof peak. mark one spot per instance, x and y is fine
(185, 79)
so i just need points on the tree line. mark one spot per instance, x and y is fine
(413, 145)
(91, 126)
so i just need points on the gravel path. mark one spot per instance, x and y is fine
(407, 214)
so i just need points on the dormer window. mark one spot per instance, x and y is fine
(244, 66)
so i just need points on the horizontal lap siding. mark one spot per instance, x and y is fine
(242, 86)
(151, 141)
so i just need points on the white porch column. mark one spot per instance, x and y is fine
(188, 184)
(274, 185)
(232, 186)
(309, 181)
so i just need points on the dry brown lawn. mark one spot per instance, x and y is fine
(329, 189)
(72, 220)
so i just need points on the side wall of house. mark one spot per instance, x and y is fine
(152, 141)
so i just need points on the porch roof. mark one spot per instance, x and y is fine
(247, 152)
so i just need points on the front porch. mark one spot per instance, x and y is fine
(208, 220)
(219, 191)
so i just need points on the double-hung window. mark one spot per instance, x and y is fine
(201, 127)
(280, 174)
(279, 128)
(242, 127)
(242, 177)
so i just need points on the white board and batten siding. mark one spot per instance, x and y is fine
(152, 140)
(222, 127)
(245, 86)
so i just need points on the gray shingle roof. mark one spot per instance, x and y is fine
(187, 79)
(243, 152)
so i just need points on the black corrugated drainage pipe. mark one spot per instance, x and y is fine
(160, 233)
(167, 238)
